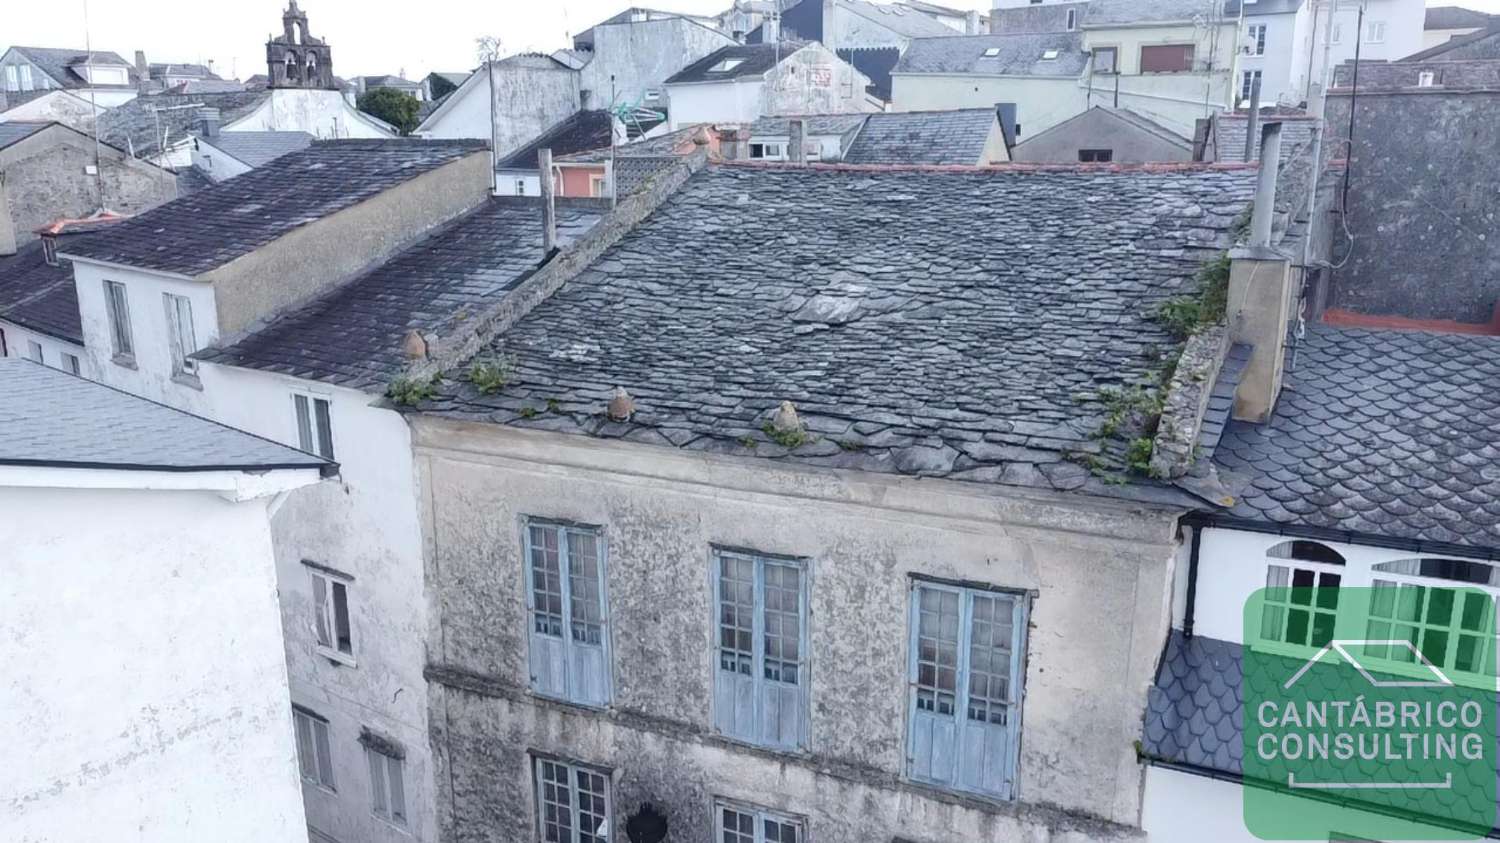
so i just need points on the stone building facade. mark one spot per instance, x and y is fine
(295, 59)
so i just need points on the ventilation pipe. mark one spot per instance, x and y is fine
(1265, 187)
(1263, 291)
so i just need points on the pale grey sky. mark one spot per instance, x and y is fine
(368, 36)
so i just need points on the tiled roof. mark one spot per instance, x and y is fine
(256, 149)
(924, 137)
(1384, 433)
(1455, 17)
(579, 132)
(906, 349)
(51, 418)
(352, 335)
(1103, 13)
(140, 126)
(212, 227)
(39, 297)
(1017, 55)
(58, 63)
(754, 59)
(15, 132)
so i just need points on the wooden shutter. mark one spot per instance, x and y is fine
(994, 627)
(739, 625)
(935, 651)
(783, 680)
(588, 639)
(1167, 58)
(544, 592)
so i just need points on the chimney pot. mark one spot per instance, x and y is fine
(414, 345)
(208, 122)
(786, 420)
(621, 406)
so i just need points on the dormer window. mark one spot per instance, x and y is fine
(49, 249)
(726, 65)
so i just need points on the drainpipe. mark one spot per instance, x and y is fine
(1189, 607)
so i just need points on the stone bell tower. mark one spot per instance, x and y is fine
(295, 59)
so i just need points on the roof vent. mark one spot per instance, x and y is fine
(785, 420)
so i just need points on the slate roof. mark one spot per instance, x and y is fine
(924, 137)
(15, 132)
(39, 297)
(58, 64)
(1261, 8)
(876, 63)
(212, 227)
(1454, 17)
(139, 126)
(669, 144)
(1393, 434)
(754, 284)
(352, 335)
(206, 86)
(817, 124)
(899, 19)
(1020, 55)
(755, 59)
(51, 418)
(1105, 13)
(579, 132)
(257, 149)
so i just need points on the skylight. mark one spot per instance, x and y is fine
(991, 52)
(1049, 55)
(726, 65)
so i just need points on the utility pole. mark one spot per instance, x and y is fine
(489, 53)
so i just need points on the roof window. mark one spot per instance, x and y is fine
(1049, 55)
(991, 52)
(726, 65)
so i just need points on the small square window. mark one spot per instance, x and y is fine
(314, 431)
(991, 52)
(1049, 55)
(331, 615)
(314, 757)
(1426, 79)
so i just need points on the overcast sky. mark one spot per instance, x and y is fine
(410, 36)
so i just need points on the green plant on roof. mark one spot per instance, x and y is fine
(788, 438)
(491, 374)
(409, 392)
(1184, 316)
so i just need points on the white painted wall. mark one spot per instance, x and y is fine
(734, 101)
(1403, 21)
(1275, 65)
(17, 344)
(214, 162)
(365, 526)
(322, 114)
(145, 686)
(464, 114)
(1041, 102)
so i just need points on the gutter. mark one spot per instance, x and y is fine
(1203, 519)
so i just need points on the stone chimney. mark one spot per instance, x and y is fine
(971, 23)
(1263, 291)
(142, 72)
(796, 141)
(7, 222)
(206, 122)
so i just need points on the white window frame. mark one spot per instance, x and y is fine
(70, 364)
(1336, 33)
(117, 306)
(26, 82)
(1072, 19)
(544, 773)
(12, 80)
(1247, 83)
(327, 588)
(1375, 32)
(759, 818)
(35, 353)
(181, 338)
(1426, 79)
(1255, 33)
(564, 663)
(930, 728)
(314, 748)
(743, 701)
(769, 151)
(316, 436)
(387, 787)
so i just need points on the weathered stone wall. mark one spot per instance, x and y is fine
(46, 178)
(1421, 202)
(1099, 573)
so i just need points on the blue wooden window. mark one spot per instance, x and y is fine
(740, 823)
(568, 612)
(967, 648)
(760, 675)
(572, 803)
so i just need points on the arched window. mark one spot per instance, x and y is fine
(291, 65)
(312, 65)
(1302, 593)
(1456, 570)
(1306, 551)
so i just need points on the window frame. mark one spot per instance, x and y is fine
(178, 339)
(1020, 640)
(383, 796)
(35, 353)
(1372, 28)
(1255, 33)
(759, 681)
(571, 657)
(1191, 55)
(319, 429)
(1093, 156)
(1114, 60)
(1248, 78)
(325, 614)
(117, 308)
(26, 81)
(574, 769)
(322, 753)
(760, 816)
(71, 364)
(12, 78)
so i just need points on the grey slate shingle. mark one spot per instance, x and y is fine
(55, 419)
(40, 297)
(1104, 13)
(1385, 433)
(140, 126)
(58, 63)
(1019, 55)
(923, 137)
(918, 322)
(15, 132)
(581, 131)
(256, 149)
(203, 231)
(754, 59)
(352, 335)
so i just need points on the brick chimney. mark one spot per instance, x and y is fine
(1263, 292)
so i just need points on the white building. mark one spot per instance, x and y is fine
(101, 78)
(145, 687)
(1381, 30)
(1268, 51)
(742, 83)
(347, 555)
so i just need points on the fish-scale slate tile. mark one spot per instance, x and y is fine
(352, 335)
(52, 418)
(203, 231)
(1393, 434)
(918, 312)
